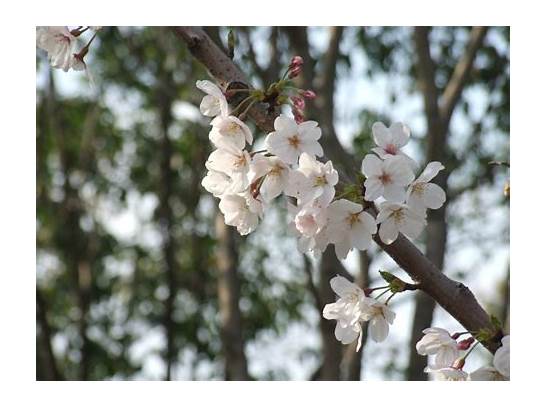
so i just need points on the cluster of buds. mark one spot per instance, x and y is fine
(297, 101)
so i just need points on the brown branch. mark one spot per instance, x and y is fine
(461, 73)
(453, 296)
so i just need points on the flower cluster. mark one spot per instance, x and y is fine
(352, 309)
(61, 45)
(389, 176)
(448, 363)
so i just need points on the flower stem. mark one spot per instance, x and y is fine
(470, 350)
(241, 104)
(382, 293)
(390, 297)
(243, 114)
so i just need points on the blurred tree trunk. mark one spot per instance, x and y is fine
(76, 249)
(228, 298)
(438, 113)
(47, 368)
(165, 100)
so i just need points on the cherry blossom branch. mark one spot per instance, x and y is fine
(453, 296)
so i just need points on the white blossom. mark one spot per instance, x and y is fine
(312, 180)
(234, 163)
(308, 224)
(395, 218)
(391, 140)
(229, 132)
(60, 45)
(501, 360)
(438, 342)
(421, 194)
(349, 227)
(387, 178)
(214, 103)
(448, 373)
(238, 213)
(347, 310)
(379, 316)
(486, 373)
(275, 173)
(290, 140)
(216, 183)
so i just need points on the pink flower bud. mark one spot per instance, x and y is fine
(296, 61)
(308, 94)
(465, 344)
(294, 72)
(298, 102)
(298, 115)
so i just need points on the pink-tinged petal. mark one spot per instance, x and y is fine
(342, 286)
(346, 335)
(360, 237)
(368, 222)
(381, 152)
(400, 171)
(371, 165)
(312, 147)
(209, 106)
(330, 311)
(431, 171)
(400, 134)
(445, 357)
(378, 329)
(388, 232)
(286, 124)
(309, 131)
(434, 196)
(394, 193)
(342, 248)
(272, 187)
(413, 225)
(381, 135)
(415, 202)
(374, 189)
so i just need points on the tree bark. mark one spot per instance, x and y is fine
(228, 298)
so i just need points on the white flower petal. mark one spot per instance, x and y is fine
(433, 196)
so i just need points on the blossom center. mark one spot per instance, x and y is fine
(232, 128)
(385, 178)
(418, 189)
(320, 181)
(240, 161)
(398, 215)
(275, 170)
(391, 149)
(294, 141)
(353, 219)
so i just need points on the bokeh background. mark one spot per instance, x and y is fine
(137, 277)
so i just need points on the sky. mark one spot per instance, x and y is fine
(353, 92)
